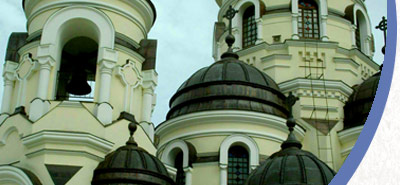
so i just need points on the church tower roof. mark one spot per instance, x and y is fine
(228, 84)
(131, 164)
(291, 165)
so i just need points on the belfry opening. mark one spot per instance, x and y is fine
(76, 76)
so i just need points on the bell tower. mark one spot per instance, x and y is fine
(73, 82)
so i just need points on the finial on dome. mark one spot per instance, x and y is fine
(230, 39)
(132, 129)
(291, 141)
(383, 27)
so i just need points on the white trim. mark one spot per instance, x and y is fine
(346, 152)
(170, 151)
(139, 5)
(317, 85)
(7, 133)
(14, 175)
(227, 116)
(79, 139)
(240, 140)
(237, 140)
(350, 134)
(364, 37)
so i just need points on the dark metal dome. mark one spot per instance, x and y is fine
(358, 106)
(228, 84)
(131, 165)
(291, 166)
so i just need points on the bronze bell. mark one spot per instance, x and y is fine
(78, 84)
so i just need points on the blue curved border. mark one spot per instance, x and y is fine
(367, 134)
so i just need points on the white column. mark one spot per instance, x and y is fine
(147, 103)
(188, 175)
(324, 20)
(368, 51)
(295, 28)
(40, 105)
(107, 60)
(150, 80)
(9, 80)
(238, 39)
(223, 174)
(353, 36)
(259, 22)
(104, 108)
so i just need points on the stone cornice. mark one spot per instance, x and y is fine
(330, 85)
(142, 6)
(75, 138)
(350, 134)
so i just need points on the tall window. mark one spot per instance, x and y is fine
(249, 27)
(308, 19)
(180, 174)
(76, 77)
(238, 165)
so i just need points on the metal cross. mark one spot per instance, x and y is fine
(230, 14)
(383, 27)
(290, 101)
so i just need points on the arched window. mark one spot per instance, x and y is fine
(238, 165)
(361, 32)
(76, 77)
(180, 174)
(308, 19)
(249, 37)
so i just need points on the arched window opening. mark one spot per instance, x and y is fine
(238, 165)
(361, 31)
(180, 173)
(249, 37)
(308, 20)
(76, 77)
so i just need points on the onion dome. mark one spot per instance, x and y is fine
(291, 165)
(228, 84)
(131, 165)
(358, 106)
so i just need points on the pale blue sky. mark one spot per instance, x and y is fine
(184, 31)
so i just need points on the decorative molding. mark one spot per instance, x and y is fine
(58, 137)
(321, 85)
(14, 175)
(346, 61)
(350, 134)
(240, 140)
(170, 152)
(345, 152)
(276, 57)
(137, 4)
(7, 133)
(136, 56)
(347, 70)
(130, 76)
(65, 153)
(226, 116)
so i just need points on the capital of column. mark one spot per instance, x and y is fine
(223, 166)
(9, 72)
(259, 20)
(46, 62)
(324, 17)
(353, 27)
(295, 15)
(187, 169)
(106, 67)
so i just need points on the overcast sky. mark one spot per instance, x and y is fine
(184, 32)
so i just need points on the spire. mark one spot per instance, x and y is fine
(383, 27)
(291, 141)
(230, 39)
